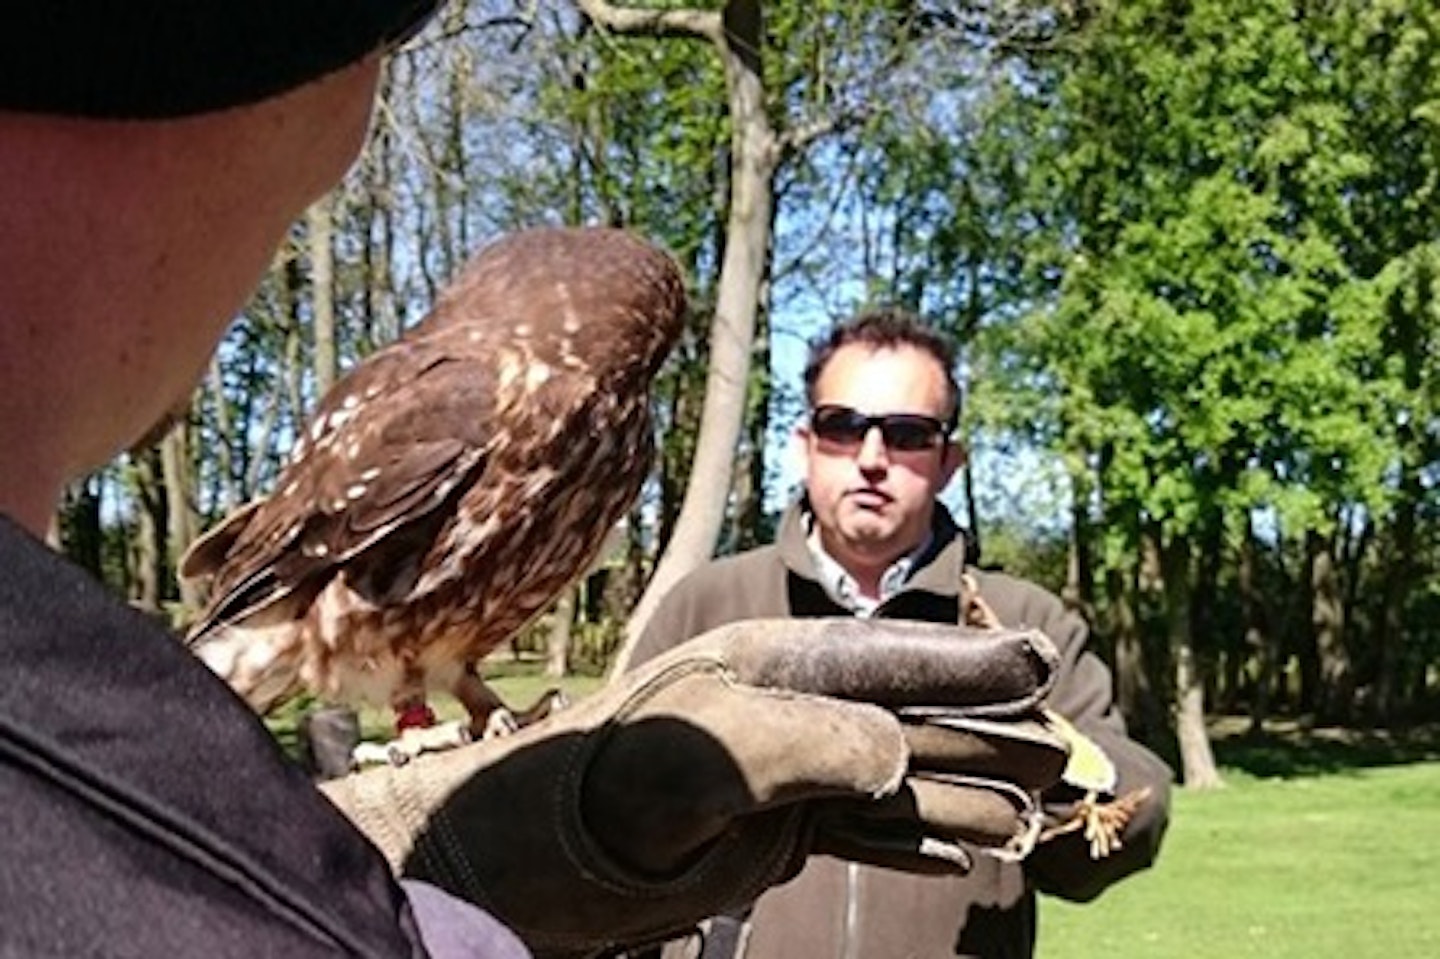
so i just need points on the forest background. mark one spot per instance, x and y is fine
(1189, 250)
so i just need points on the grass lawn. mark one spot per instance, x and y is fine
(1319, 846)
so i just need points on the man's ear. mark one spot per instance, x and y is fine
(953, 456)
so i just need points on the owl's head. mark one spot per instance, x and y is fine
(593, 297)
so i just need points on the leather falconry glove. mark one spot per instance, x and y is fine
(691, 785)
(1089, 780)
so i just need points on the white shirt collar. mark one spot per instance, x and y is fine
(845, 589)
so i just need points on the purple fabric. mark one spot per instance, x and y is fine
(452, 928)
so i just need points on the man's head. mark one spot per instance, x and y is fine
(144, 191)
(883, 402)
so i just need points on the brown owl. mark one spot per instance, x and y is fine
(452, 485)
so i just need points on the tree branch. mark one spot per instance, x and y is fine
(695, 24)
(797, 138)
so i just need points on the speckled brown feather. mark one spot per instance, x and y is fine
(452, 485)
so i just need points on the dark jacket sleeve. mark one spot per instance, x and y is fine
(1084, 693)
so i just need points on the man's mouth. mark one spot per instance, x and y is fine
(870, 499)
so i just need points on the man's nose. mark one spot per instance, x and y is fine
(872, 453)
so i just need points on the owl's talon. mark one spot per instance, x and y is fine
(500, 722)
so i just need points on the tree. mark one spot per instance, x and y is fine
(737, 36)
(1189, 253)
(1201, 338)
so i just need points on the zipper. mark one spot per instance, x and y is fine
(850, 939)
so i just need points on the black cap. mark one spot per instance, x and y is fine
(167, 58)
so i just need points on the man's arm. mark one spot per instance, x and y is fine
(1084, 693)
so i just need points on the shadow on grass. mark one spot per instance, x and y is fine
(1288, 748)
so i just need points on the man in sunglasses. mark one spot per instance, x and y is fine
(868, 538)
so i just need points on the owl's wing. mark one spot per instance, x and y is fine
(390, 447)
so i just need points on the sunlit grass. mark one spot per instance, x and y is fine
(1341, 862)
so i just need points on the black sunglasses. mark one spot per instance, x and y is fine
(907, 432)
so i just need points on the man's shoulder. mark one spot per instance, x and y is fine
(751, 562)
(155, 775)
(746, 585)
(1010, 584)
(1018, 601)
(733, 583)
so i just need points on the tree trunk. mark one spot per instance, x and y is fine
(1208, 644)
(1079, 590)
(623, 586)
(557, 642)
(294, 364)
(321, 221)
(1135, 693)
(1289, 604)
(1306, 650)
(676, 456)
(149, 571)
(457, 159)
(1197, 761)
(1327, 617)
(1149, 595)
(1258, 639)
(755, 154)
(230, 485)
(76, 530)
(1396, 585)
(749, 525)
(378, 300)
(974, 542)
(184, 519)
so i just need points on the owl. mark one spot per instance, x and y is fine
(452, 485)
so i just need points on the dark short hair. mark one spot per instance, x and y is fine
(885, 329)
(141, 59)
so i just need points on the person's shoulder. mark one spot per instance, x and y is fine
(727, 570)
(195, 761)
(1010, 584)
(742, 586)
(1019, 601)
